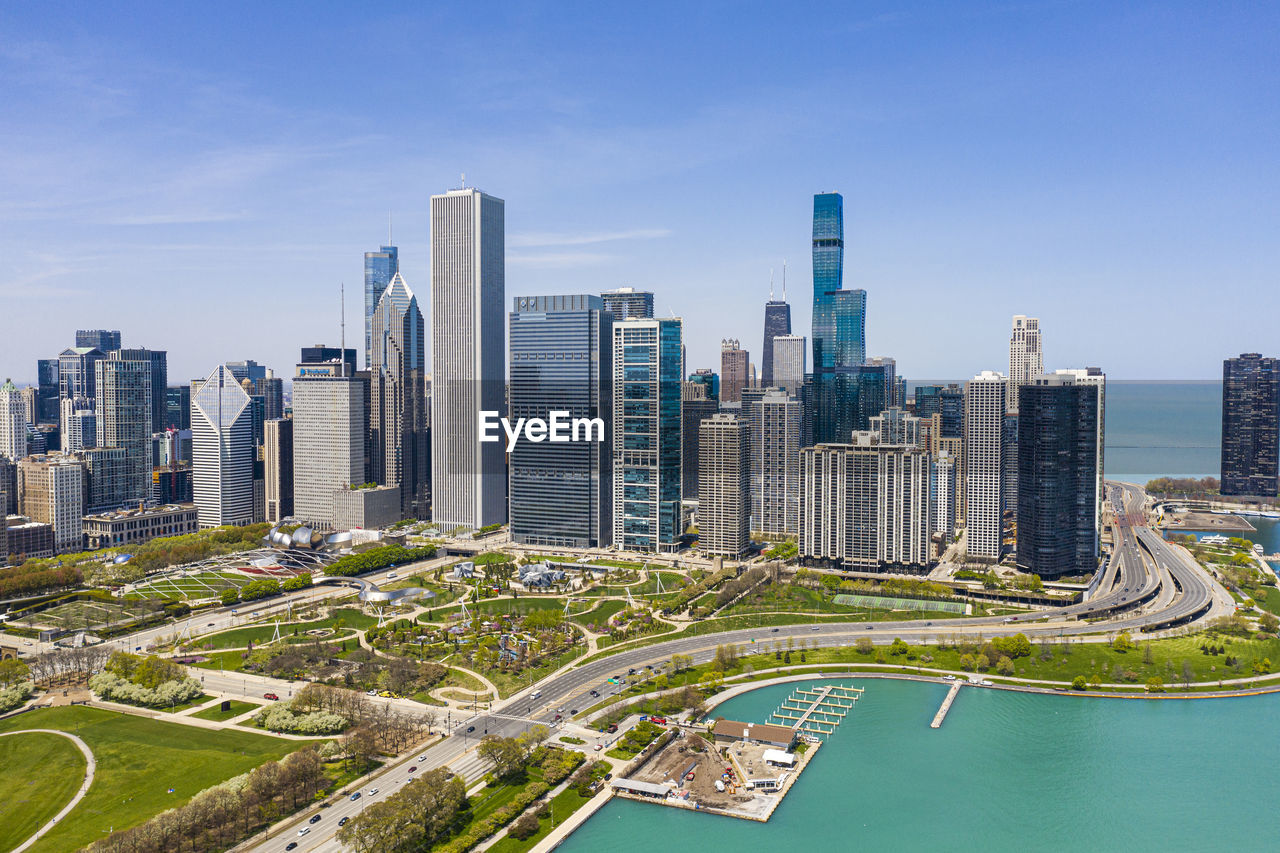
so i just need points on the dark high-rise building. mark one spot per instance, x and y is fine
(159, 361)
(277, 464)
(248, 369)
(177, 407)
(1251, 425)
(735, 374)
(561, 493)
(103, 339)
(1057, 476)
(709, 380)
(698, 402)
(379, 268)
(628, 302)
(400, 454)
(75, 372)
(47, 391)
(839, 330)
(320, 353)
(124, 406)
(777, 323)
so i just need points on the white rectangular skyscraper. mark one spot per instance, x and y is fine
(468, 345)
(222, 447)
(984, 411)
(328, 439)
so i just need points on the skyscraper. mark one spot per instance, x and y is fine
(1058, 476)
(1025, 357)
(1095, 377)
(159, 368)
(646, 434)
(984, 446)
(468, 345)
(399, 450)
(317, 353)
(773, 425)
(47, 391)
(277, 465)
(102, 339)
(1250, 425)
(942, 494)
(124, 405)
(788, 363)
(328, 438)
(379, 268)
(699, 400)
(724, 486)
(777, 322)
(75, 371)
(52, 492)
(78, 424)
(733, 371)
(13, 422)
(561, 361)
(222, 450)
(628, 302)
(177, 407)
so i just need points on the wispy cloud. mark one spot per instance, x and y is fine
(536, 239)
(175, 218)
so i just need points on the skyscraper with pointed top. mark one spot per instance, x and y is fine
(777, 323)
(398, 446)
(223, 451)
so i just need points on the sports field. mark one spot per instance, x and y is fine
(139, 761)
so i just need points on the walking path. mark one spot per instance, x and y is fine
(89, 768)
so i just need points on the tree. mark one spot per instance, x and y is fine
(1155, 684)
(1146, 654)
(1123, 642)
(898, 647)
(230, 595)
(864, 646)
(504, 755)
(1269, 623)
(13, 671)
(1187, 673)
(1079, 683)
(1004, 666)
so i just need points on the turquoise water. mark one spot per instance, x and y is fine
(1267, 534)
(1163, 429)
(1007, 771)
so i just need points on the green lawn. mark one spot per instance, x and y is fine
(199, 700)
(217, 715)
(563, 804)
(41, 773)
(600, 616)
(238, 638)
(139, 760)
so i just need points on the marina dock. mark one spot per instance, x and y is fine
(817, 711)
(946, 705)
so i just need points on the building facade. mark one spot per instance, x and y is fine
(277, 468)
(1251, 425)
(51, 489)
(366, 508)
(75, 371)
(379, 268)
(724, 486)
(789, 355)
(777, 323)
(398, 444)
(328, 439)
(105, 340)
(628, 302)
(1058, 476)
(468, 347)
(561, 361)
(774, 429)
(124, 407)
(646, 434)
(734, 371)
(984, 460)
(126, 527)
(222, 451)
(1025, 356)
(13, 422)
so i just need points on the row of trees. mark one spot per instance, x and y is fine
(61, 664)
(425, 811)
(151, 681)
(23, 580)
(379, 558)
(218, 817)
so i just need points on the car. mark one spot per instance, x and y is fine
(869, 627)
(343, 821)
(557, 717)
(292, 845)
(422, 757)
(631, 671)
(595, 693)
(928, 624)
(987, 683)
(234, 612)
(304, 831)
(210, 625)
(315, 818)
(599, 747)
(470, 729)
(613, 727)
(413, 768)
(273, 697)
(371, 693)
(373, 791)
(949, 677)
(355, 796)
(813, 628)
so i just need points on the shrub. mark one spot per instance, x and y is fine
(110, 686)
(525, 827)
(1079, 683)
(282, 718)
(12, 697)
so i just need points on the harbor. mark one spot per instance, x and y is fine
(739, 769)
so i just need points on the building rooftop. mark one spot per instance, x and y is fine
(117, 514)
(754, 731)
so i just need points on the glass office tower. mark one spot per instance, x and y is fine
(561, 493)
(379, 267)
(647, 434)
(1250, 425)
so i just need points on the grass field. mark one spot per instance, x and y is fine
(194, 587)
(563, 804)
(139, 760)
(600, 616)
(217, 715)
(84, 615)
(41, 773)
(238, 638)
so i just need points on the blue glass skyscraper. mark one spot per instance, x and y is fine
(839, 330)
(379, 268)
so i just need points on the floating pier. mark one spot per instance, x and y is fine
(946, 705)
(816, 711)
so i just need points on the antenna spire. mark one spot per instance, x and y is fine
(390, 241)
(784, 279)
(342, 298)
(770, 284)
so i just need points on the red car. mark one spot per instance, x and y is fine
(270, 696)
(412, 769)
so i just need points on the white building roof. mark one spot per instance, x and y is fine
(778, 756)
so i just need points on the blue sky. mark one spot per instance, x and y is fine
(203, 180)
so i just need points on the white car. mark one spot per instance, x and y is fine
(949, 677)
(986, 683)
(371, 693)
(373, 791)
(422, 757)
(304, 830)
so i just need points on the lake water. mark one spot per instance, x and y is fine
(1006, 772)
(1163, 429)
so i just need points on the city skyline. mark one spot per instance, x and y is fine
(210, 167)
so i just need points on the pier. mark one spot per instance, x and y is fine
(817, 711)
(946, 705)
